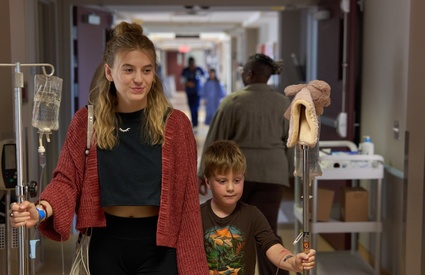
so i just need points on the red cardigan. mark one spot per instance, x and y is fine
(179, 224)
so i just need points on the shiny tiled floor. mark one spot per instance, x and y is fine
(50, 262)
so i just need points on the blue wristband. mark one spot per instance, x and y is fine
(41, 214)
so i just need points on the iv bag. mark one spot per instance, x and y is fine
(47, 97)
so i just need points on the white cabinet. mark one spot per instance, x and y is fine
(350, 167)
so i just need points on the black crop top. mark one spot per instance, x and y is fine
(130, 173)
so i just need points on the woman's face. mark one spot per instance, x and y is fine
(133, 75)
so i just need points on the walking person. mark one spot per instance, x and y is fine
(253, 118)
(138, 189)
(212, 93)
(192, 76)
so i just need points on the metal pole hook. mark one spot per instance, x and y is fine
(42, 65)
(52, 70)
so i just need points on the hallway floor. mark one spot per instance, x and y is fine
(52, 259)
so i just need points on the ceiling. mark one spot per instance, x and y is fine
(193, 18)
(200, 27)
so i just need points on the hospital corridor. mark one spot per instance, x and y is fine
(351, 72)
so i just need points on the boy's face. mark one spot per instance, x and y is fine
(226, 188)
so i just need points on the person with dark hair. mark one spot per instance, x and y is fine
(212, 93)
(254, 118)
(192, 76)
(233, 228)
(136, 188)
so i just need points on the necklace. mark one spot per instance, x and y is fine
(124, 130)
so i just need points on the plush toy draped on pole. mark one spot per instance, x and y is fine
(308, 103)
(304, 129)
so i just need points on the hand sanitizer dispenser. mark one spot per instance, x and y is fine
(366, 147)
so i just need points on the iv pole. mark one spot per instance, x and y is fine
(304, 129)
(306, 202)
(18, 83)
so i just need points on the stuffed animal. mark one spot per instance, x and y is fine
(308, 103)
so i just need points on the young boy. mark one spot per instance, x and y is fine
(232, 228)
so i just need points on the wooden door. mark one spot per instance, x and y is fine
(91, 30)
(175, 65)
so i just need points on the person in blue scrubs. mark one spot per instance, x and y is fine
(192, 76)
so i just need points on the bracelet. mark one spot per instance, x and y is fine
(44, 208)
(287, 257)
(41, 214)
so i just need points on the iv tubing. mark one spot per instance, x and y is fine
(41, 149)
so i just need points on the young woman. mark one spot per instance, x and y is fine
(138, 189)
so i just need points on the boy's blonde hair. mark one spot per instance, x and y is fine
(223, 156)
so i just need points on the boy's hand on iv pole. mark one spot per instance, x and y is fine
(305, 261)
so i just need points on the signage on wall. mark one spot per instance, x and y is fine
(184, 48)
(92, 19)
